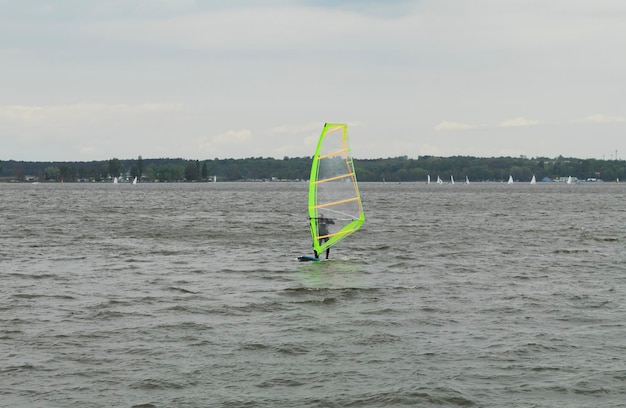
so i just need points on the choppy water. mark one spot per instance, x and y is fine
(189, 295)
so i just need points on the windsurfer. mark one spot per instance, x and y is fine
(322, 228)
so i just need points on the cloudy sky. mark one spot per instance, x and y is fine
(200, 79)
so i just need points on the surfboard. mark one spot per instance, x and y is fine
(305, 258)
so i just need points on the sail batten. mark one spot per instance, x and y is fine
(340, 152)
(347, 200)
(343, 176)
(336, 234)
(333, 128)
(335, 208)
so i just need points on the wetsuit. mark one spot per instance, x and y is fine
(322, 229)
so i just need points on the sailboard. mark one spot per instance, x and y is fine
(335, 209)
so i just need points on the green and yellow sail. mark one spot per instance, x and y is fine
(333, 189)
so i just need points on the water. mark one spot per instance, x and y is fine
(189, 295)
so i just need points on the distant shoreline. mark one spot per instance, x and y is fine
(394, 169)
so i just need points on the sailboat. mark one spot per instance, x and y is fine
(533, 180)
(466, 180)
(114, 180)
(451, 179)
(428, 179)
(510, 180)
(569, 180)
(439, 180)
(135, 180)
(334, 198)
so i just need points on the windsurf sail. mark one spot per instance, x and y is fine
(335, 208)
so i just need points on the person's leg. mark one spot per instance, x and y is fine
(321, 241)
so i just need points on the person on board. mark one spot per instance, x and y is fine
(322, 231)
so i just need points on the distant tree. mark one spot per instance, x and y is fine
(151, 171)
(82, 173)
(114, 167)
(140, 166)
(165, 172)
(18, 168)
(68, 172)
(103, 172)
(52, 173)
(233, 172)
(134, 171)
(205, 171)
(191, 171)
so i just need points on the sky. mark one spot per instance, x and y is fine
(204, 79)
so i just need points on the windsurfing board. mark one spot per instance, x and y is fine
(306, 258)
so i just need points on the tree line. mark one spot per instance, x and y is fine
(395, 169)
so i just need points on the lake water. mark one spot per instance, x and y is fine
(190, 295)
